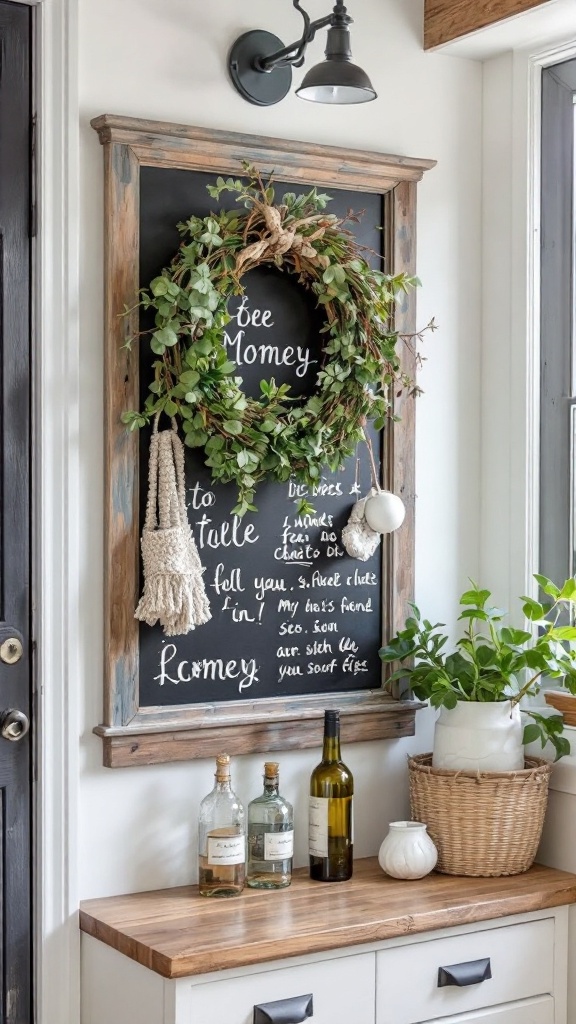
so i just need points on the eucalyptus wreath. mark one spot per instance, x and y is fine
(274, 436)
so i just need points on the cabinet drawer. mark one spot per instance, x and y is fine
(530, 1011)
(343, 992)
(521, 962)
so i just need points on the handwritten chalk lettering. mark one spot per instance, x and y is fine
(326, 489)
(211, 669)
(256, 318)
(225, 535)
(290, 607)
(268, 355)
(293, 538)
(310, 521)
(323, 489)
(319, 647)
(227, 583)
(315, 669)
(324, 627)
(297, 490)
(362, 579)
(333, 551)
(302, 555)
(266, 584)
(321, 580)
(288, 670)
(346, 605)
(326, 607)
(289, 627)
(201, 498)
(353, 665)
(328, 537)
(238, 614)
(287, 652)
(348, 644)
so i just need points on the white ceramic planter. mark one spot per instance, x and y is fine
(407, 851)
(476, 736)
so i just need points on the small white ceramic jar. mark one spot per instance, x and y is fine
(407, 851)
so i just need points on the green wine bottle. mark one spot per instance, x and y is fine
(330, 823)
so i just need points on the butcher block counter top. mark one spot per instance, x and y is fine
(176, 932)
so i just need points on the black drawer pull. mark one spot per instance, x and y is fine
(470, 973)
(284, 1011)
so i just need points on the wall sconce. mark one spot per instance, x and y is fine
(260, 65)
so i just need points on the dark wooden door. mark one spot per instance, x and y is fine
(15, 606)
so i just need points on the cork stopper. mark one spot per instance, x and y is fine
(222, 767)
(271, 769)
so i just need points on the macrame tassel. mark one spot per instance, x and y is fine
(174, 593)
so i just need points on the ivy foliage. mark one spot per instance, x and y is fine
(274, 436)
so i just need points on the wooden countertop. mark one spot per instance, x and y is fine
(176, 932)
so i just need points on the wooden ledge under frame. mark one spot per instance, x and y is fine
(134, 735)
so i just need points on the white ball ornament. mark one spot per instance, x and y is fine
(384, 512)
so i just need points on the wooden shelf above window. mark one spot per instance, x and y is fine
(446, 20)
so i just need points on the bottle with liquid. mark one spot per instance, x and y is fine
(270, 836)
(330, 842)
(221, 837)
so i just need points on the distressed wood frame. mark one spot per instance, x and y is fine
(133, 735)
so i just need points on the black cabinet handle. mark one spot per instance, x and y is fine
(284, 1011)
(470, 973)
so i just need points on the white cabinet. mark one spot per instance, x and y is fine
(388, 982)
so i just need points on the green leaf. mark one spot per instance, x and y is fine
(568, 591)
(166, 337)
(189, 377)
(563, 633)
(531, 733)
(159, 286)
(232, 426)
(546, 585)
(533, 610)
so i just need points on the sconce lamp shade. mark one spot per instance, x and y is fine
(336, 81)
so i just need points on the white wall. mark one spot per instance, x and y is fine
(166, 60)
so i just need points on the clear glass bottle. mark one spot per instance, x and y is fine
(330, 823)
(221, 837)
(270, 836)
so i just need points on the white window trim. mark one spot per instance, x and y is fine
(511, 330)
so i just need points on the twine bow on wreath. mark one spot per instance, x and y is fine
(174, 593)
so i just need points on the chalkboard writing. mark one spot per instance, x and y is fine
(292, 613)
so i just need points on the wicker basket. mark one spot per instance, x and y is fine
(483, 823)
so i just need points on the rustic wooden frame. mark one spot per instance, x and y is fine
(133, 735)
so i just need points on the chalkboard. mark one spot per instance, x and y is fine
(296, 623)
(292, 613)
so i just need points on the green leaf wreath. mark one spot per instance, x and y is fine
(275, 436)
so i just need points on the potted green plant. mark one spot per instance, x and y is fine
(479, 683)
